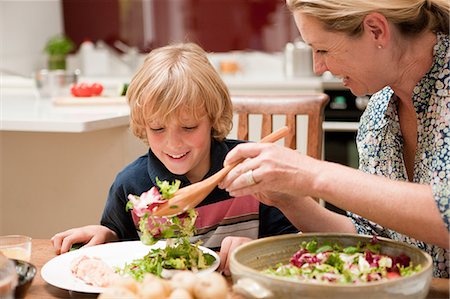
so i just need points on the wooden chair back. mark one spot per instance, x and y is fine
(291, 106)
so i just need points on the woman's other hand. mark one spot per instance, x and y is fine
(228, 245)
(89, 235)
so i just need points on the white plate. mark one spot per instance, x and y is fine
(57, 271)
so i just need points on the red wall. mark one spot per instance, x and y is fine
(217, 25)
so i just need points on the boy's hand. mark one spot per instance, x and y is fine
(88, 235)
(228, 245)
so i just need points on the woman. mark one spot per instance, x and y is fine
(397, 50)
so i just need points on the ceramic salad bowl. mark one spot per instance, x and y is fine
(248, 260)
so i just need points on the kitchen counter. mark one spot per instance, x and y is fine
(58, 162)
(22, 109)
(27, 112)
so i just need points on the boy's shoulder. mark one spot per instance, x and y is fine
(231, 143)
(134, 172)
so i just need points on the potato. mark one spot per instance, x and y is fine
(117, 292)
(128, 283)
(211, 286)
(153, 287)
(185, 280)
(181, 294)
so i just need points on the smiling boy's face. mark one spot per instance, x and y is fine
(182, 144)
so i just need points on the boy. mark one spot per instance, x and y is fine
(181, 108)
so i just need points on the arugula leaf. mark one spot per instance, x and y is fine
(409, 270)
(335, 261)
(375, 248)
(351, 250)
(167, 189)
(311, 246)
(179, 253)
(324, 248)
(129, 206)
(181, 256)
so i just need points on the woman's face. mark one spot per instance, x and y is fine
(182, 145)
(353, 59)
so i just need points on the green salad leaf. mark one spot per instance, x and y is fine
(181, 256)
(167, 189)
(334, 263)
(179, 253)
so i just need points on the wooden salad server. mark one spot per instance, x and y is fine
(190, 196)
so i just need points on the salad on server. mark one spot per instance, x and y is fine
(179, 253)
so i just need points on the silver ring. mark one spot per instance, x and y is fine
(249, 177)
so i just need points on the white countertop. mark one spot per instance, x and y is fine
(28, 112)
(32, 114)
(22, 109)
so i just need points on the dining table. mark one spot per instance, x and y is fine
(43, 251)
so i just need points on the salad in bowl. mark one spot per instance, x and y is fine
(330, 265)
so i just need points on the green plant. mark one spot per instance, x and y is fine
(57, 49)
(59, 45)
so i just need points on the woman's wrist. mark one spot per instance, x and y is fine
(312, 178)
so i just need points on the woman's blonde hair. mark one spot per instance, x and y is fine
(410, 16)
(174, 79)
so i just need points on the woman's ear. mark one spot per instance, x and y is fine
(377, 26)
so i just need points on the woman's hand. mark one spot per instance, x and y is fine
(275, 170)
(228, 245)
(89, 235)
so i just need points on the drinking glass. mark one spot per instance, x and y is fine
(16, 247)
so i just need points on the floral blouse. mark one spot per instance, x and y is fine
(380, 146)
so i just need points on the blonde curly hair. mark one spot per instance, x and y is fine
(174, 79)
(410, 16)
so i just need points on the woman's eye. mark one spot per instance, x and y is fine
(320, 51)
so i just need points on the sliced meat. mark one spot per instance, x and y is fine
(93, 271)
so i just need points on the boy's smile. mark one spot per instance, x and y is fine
(182, 145)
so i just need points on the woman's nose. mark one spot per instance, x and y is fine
(319, 64)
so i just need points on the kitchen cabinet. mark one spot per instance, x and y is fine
(52, 181)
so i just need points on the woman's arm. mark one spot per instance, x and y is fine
(408, 208)
(309, 216)
(404, 207)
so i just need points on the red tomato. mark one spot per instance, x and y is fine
(391, 275)
(81, 90)
(96, 89)
(84, 90)
(74, 90)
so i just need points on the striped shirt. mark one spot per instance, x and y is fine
(219, 215)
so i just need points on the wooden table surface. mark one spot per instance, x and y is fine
(42, 252)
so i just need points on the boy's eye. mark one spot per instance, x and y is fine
(190, 128)
(156, 130)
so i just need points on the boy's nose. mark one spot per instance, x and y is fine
(174, 139)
